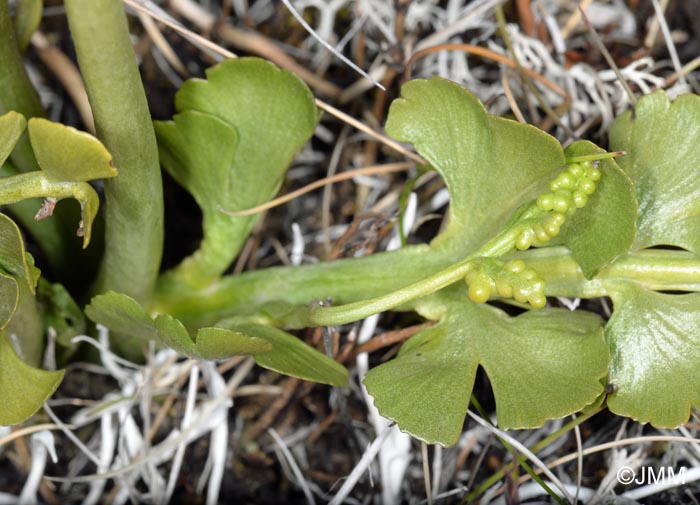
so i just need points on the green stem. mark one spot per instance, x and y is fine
(366, 286)
(16, 91)
(284, 293)
(134, 199)
(653, 269)
(280, 289)
(18, 94)
(329, 316)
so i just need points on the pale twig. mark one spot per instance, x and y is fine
(484, 53)
(653, 31)
(328, 46)
(23, 432)
(667, 37)
(426, 472)
(293, 465)
(687, 68)
(361, 467)
(72, 436)
(252, 42)
(156, 13)
(608, 58)
(369, 131)
(206, 412)
(68, 74)
(159, 40)
(186, 421)
(326, 198)
(42, 445)
(525, 451)
(511, 100)
(579, 461)
(610, 445)
(574, 19)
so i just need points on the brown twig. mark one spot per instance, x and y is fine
(268, 417)
(388, 338)
(484, 53)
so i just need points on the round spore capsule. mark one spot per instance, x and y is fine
(480, 289)
(524, 240)
(504, 289)
(519, 296)
(529, 274)
(551, 229)
(516, 266)
(576, 170)
(537, 300)
(537, 285)
(580, 199)
(562, 201)
(545, 201)
(540, 234)
(586, 185)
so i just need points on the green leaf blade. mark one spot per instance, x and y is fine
(542, 365)
(606, 227)
(655, 349)
(121, 314)
(662, 160)
(477, 154)
(69, 155)
(23, 388)
(271, 113)
(291, 356)
(220, 343)
(426, 388)
(13, 257)
(12, 125)
(9, 298)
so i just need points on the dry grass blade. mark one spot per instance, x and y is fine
(344, 176)
(608, 58)
(484, 53)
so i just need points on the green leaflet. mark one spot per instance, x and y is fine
(23, 388)
(663, 156)
(27, 19)
(291, 356)
(69, 155)
(230, 145)
(68, 159)
(12, 125)
(606, 227)
(9, 298)
(272, 348)
(21, 316)
(125, 316)
(542, 365)
(654, 342)
(13, 258)
(653, 337)
(491, 165)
